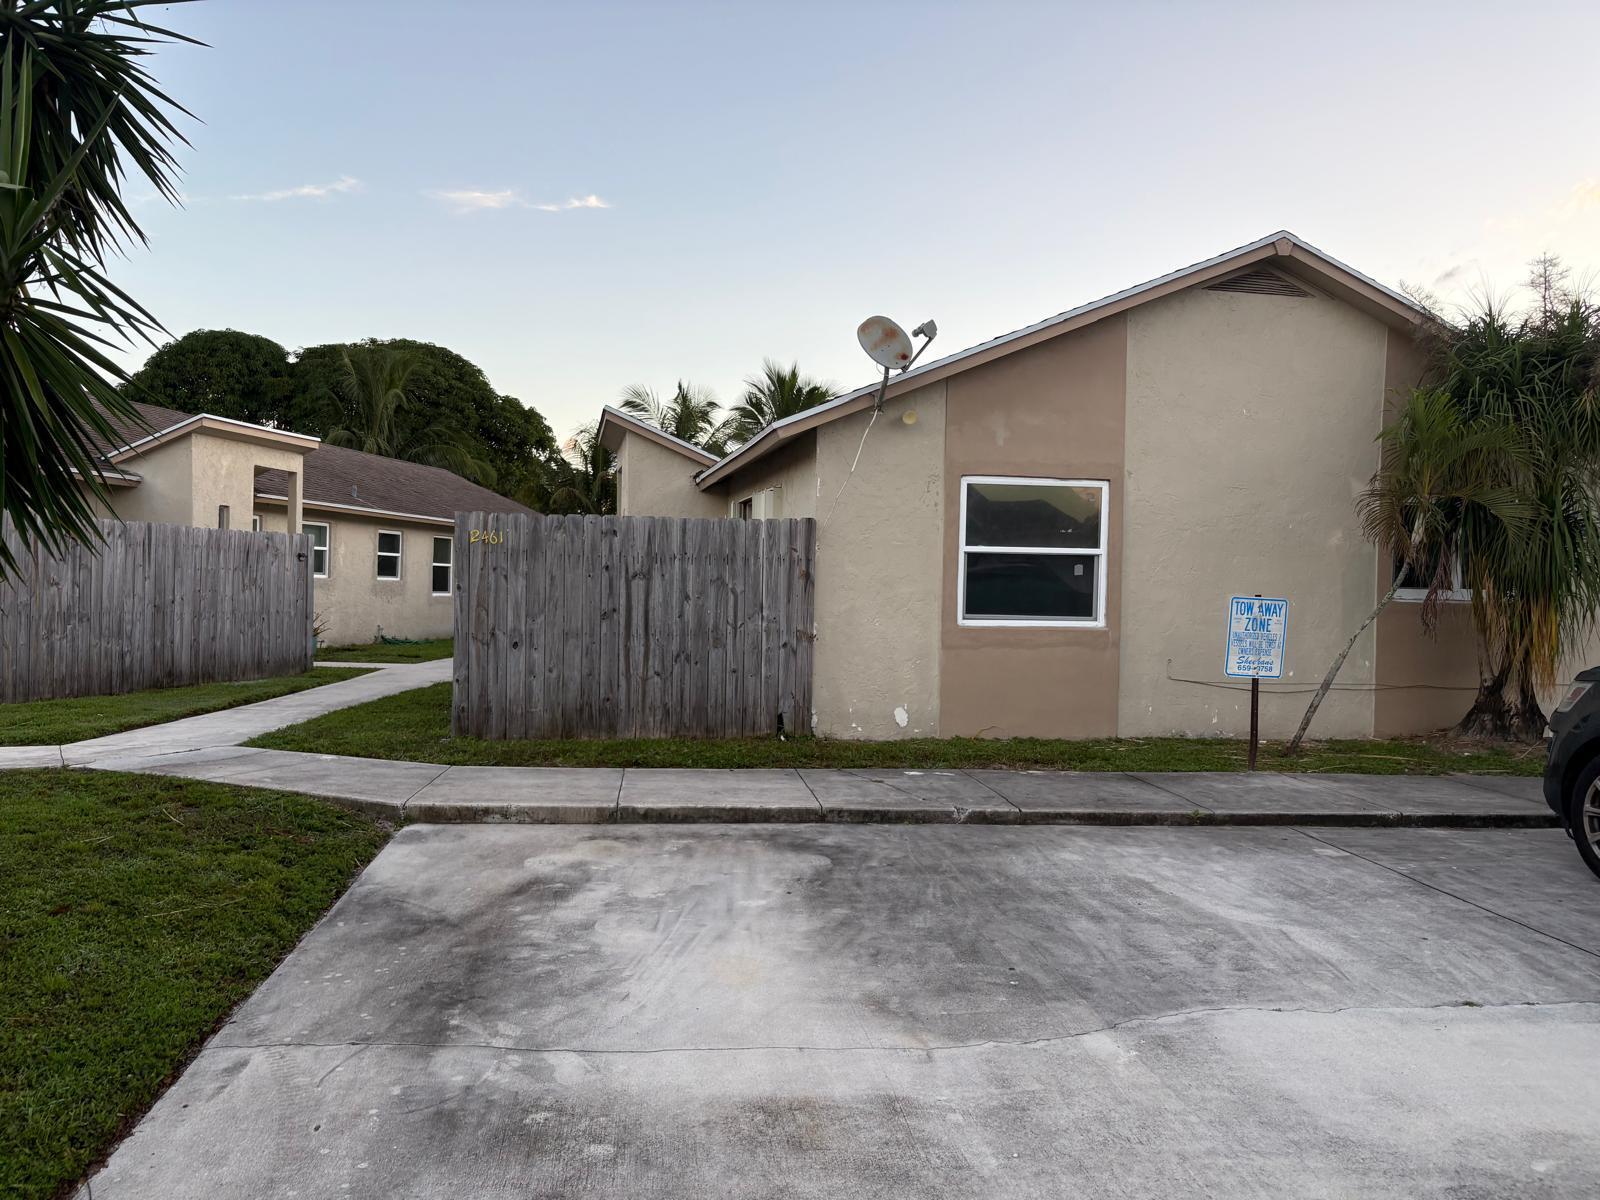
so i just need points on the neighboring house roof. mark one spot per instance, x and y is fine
(351, 481)
(330, 476)
(614, 423)
(1291, 253)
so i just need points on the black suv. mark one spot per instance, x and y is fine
(1572, 765)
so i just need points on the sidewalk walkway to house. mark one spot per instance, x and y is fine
(208, 747)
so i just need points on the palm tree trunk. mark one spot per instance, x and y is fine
(1333, 671)
(1490, 714)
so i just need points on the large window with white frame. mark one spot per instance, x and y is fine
(1033, 551)
(1416, 580)
(319, 547)
(389, 544)
(442, 547)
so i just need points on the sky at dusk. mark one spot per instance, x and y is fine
(580, 197)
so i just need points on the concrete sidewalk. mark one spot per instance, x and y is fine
(208, 747)
(230, 726)
(427, 792)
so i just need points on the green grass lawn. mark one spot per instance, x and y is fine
(416, 725)
(135, 912)
(54, 722)
(389, 652)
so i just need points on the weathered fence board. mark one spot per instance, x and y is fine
(153, 606)
(632, 626)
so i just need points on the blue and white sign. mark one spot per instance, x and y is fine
(1258, 631)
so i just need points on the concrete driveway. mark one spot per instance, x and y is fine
(914, 1011)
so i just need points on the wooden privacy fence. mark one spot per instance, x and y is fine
(154, 606)
(632, 626)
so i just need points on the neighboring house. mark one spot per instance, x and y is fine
(381, 528)
(1038, 535)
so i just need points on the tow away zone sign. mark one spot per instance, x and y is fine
(1258, 630)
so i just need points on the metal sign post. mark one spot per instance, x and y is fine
(1258, 632)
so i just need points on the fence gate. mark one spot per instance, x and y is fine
(631, 626)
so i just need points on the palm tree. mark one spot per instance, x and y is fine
(771, 396)
(1534, 594)
(1444, 486)
(690, 415)
(78, 115)
(581, 479)
(374, 387)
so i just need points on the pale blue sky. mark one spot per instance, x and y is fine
(773, 173)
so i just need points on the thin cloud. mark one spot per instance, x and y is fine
(465, 200)
(471, 200)
(589, 201)
(308, 191)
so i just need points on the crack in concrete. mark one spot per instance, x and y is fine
(1007, 800)
(1196, 807)
(359, 1049)
(816, 799)
(932, 1048)
(1484, 908)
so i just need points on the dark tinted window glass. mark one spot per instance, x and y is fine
(1041, 587)
(441, 577)
(1033, 514)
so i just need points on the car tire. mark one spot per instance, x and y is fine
(1585, 826)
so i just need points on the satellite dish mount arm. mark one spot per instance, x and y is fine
(926, 330)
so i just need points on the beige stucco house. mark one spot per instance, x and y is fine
(1037, 536)
(381, 528)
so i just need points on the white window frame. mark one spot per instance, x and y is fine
(1455, 592)
(450, 567)
(963, 548)
(327, 546)
(255, 522)
(379, 554)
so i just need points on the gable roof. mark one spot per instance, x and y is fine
(356, 482)
(1288, 252)
(614, 423)
(330, 476)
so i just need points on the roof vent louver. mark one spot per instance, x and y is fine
(1259, 281)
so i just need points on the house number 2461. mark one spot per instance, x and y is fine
(489, 537)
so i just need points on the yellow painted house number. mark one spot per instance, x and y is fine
(489, 537)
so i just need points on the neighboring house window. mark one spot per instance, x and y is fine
(1414, 581)
(388, 554)
(222, 516)
(1033, 551)
(441, 565)
(747, 508)
(319, 548)
(255, 522)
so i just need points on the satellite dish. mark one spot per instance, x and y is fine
(885, 343)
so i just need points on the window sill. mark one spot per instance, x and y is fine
(1418, 595)
(973, 623)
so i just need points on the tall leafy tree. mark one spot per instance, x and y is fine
(1535, 594)
(690, 414)
(79, 113)
(377, 402)
(219, 371)
(580, 479)
(444, 390)
(776, 393)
